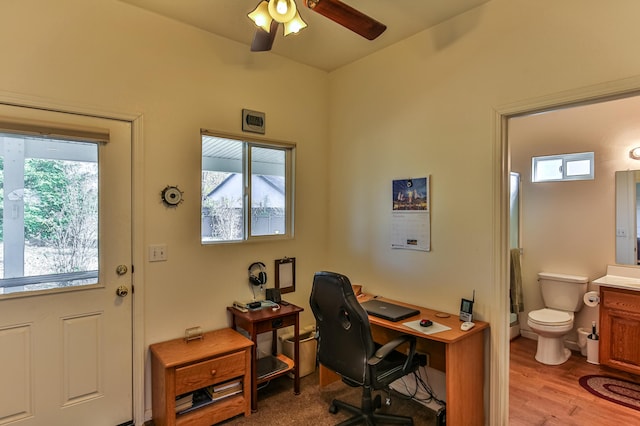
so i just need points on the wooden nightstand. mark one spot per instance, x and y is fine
(267, 320)
(219, 360)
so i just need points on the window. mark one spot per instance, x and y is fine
(247, 190)
(49, 219)
(563, 167)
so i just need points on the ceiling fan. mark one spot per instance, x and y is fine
(271, 13)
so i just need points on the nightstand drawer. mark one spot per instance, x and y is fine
(275, 324)
(202, 374)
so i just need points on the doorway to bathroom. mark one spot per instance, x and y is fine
(569, 227)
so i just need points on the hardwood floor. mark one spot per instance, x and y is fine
(551, 395)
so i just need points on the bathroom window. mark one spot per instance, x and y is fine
(247, 190)
(562, 167)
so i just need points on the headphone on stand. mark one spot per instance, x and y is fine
(261, 277)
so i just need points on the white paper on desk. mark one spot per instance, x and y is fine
(433, 328)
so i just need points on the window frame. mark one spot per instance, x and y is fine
(566, 159)
(248, 143)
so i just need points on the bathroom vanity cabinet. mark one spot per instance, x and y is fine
(620, 328)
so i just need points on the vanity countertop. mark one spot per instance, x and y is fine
(623, 277)
(626, 283)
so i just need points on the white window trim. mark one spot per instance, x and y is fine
(252, 141)
(565, 158)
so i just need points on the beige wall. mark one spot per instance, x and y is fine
(108, 56)
(427, 106)
(569, 227)
(111, 56)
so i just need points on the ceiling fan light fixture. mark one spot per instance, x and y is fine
(261, 16)
(282, 11)
(294, 25)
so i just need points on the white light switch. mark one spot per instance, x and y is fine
(157, 253)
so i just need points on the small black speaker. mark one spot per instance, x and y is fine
(273, 294)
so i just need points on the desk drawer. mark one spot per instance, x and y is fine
(275, 324)
(196, 376)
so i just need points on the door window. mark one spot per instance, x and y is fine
(49, 221)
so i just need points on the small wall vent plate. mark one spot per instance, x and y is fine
(253, 121)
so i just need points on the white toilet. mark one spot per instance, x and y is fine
(562, 295)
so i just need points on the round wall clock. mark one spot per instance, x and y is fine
(171, 196)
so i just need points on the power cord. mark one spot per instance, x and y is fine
(253, 290)
(420, 384)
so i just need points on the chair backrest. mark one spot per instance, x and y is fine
(345, 343)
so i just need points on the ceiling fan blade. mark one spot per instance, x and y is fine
(262, 40)
(348, 17)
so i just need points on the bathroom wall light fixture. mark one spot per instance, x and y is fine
(635, 153)
(282, 11)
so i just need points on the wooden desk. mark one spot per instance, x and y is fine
(262, 321)
(459, 354)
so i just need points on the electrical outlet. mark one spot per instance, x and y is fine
(158, 253)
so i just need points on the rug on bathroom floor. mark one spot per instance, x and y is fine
(612, 389)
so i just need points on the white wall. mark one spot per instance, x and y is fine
(427, 105)
(569, 227)
(109, 56)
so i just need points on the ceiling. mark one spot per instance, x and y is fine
(323, 44)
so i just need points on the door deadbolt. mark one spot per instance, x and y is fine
(122, 291)
(121, 269)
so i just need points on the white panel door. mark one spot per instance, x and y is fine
(66, 350)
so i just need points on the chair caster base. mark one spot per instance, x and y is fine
(367, 417)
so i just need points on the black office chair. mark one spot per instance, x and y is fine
(345, 346)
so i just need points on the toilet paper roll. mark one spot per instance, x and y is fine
(591, 298)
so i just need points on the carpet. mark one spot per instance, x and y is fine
(278, 406)
(620, 391)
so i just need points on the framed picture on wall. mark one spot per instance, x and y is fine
(285, 274)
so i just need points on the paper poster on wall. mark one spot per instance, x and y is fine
(410, 217)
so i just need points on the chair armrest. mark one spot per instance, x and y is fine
(385, 350)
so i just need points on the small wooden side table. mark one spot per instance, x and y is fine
(179, 367)
(268, 320)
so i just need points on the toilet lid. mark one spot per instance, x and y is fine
(551, 317)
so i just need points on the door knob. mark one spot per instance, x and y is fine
(122, 291)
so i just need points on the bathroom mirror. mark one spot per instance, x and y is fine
(627, 209)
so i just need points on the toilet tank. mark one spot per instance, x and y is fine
(561, 291)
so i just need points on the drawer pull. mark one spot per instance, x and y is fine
(213, 372)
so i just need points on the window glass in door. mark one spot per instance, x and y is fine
(49, 222)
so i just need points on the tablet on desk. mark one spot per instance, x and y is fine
(388, 311)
